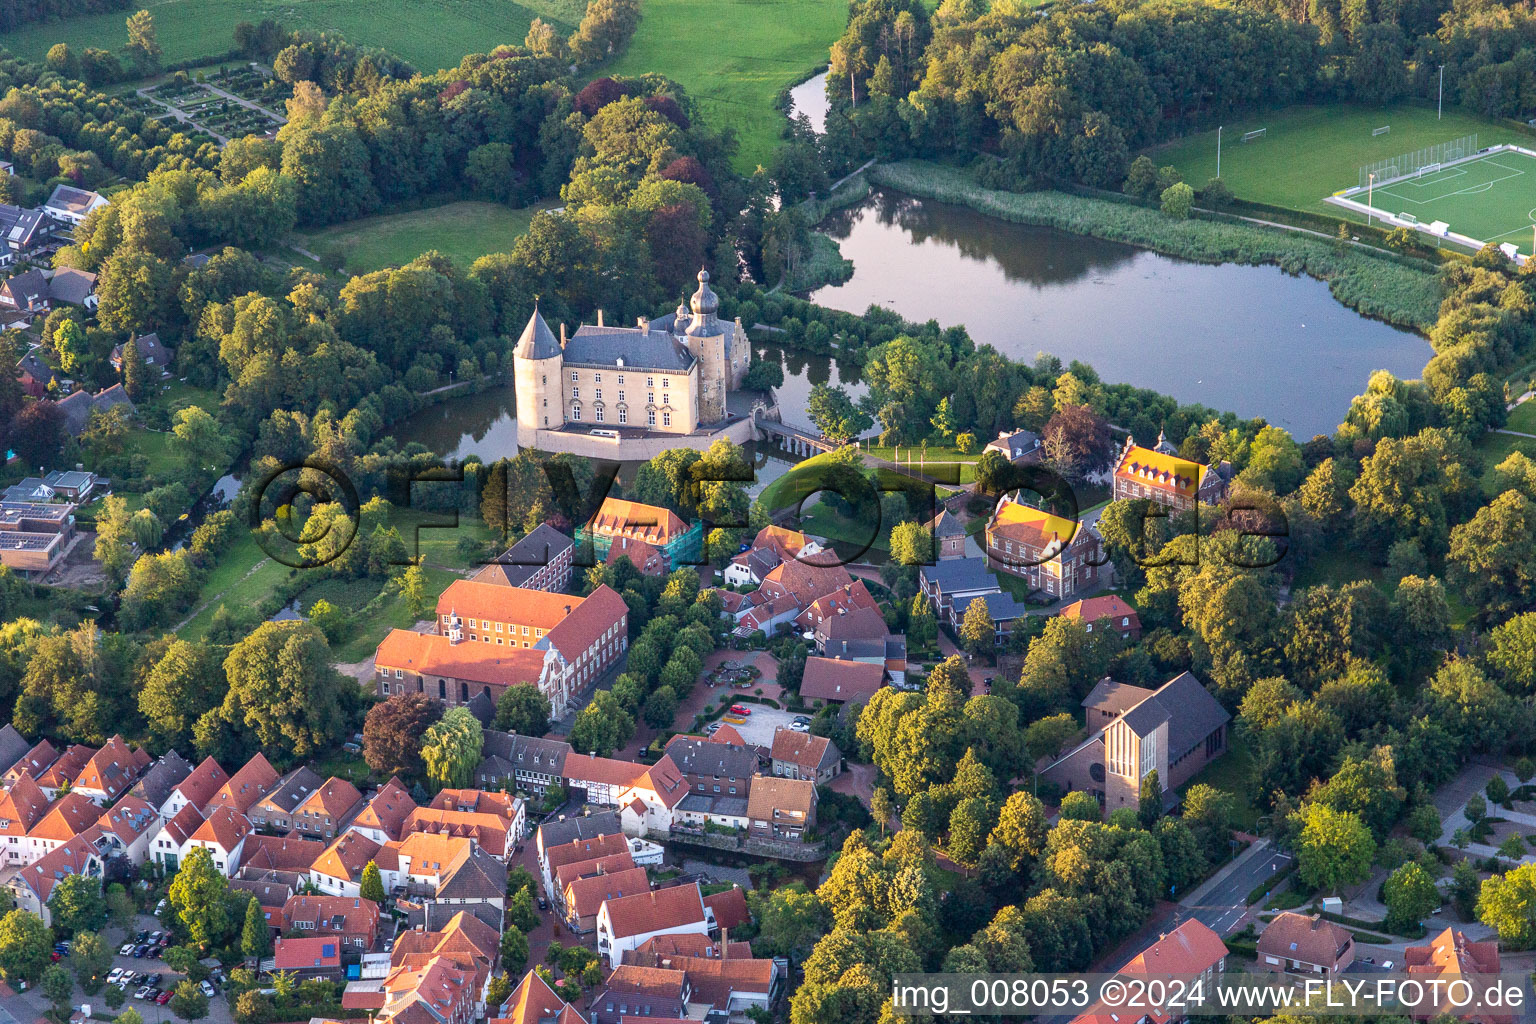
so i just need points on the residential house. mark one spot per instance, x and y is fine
(72, 287)
(32, 885)
(111, 771)
(583, 897)
(948, 534)
(325, 811)
(1052, 554)
(618, 521)
(71, 205)
(78, 406)
(26, 292)
(494, 826)
(383, 818)
(1107, 611)
(354, 922)
(627, 922)
(533, 763)
(276, 809)
(846, 600)
(272, 890)
(781, 809)
(280, 853)
(727, 909)
(307, 957)
(58, 777)
(1003, 609)
(175, 837)
(799, 755)
(603, 779)
(840, 682)
(1305, 944)
(23, 231)
(1452, 956)
(955, 582)
(243, 789)
(578, 851)
(197, 790)
(74, 485)
(13, 747)
(222, 834)
(37, 377)
(1175, 730)
(645, 993)
(339, 870)
(1191, 951)
(34, 762)
(731, 986)
(22, 805)
(541, 560)
(477, 882)
(772, 546)
(1019, 446)
(649, 806)
(66, 818)
(534, 1002)
(720, 769)
(1160, 475)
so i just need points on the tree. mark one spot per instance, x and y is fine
(911, 543)
(200, 894)
(1209, 813)
(520, 912)
(1021, 829)
(256, 935)
(1150, 806)
(128, 1016)
(522, 709)
(1410, 895)
(1046, 737)
(202, 439)
(977, 630)
(602, 726)
(835, 414)
(76, 904)
(284, 691)
(450, 749)
(1424, 823)
(1076, 441)
(514, 950)
(790, 919)
(1335, 848)
(969, 825)
(1507, 903)
(189, 1003)
(91, 959)
(1177, 200)
(1493, 557)
(1497, 790)
(392, 733)
(58, 987)
(114, 538)
(25, 944)
(143, 45)
(1080, 806)
(372, 884)
(882, 806)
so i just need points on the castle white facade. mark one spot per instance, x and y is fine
(665, 378)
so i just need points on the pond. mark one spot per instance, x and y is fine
(1254, 340)
(810, 98)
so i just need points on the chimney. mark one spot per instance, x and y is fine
(725, 943)
(599, 318)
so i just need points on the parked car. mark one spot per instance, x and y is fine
(144, 992)
(207, 988)
(160, 908)
(153, 979)
(139, 951)
(1388, 964)
(126, 949)
(802, 720)
(799, 727)
(143, 936)
(543, 903)
(740, 709)
(117, 972)
(163, 997)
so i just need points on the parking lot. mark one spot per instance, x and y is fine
(758, 727)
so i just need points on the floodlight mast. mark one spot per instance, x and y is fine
(1218, 151)
(1370, 198)
(1440, 103)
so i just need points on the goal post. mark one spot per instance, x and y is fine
(1257, 133)
(1384, 129)
(1409, 164)
(1430, 169)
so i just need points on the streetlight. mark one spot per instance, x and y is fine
(1218, 151)
(1440, 104)
(1370, 200)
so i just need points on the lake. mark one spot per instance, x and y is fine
(1254, 340)
(810, 98)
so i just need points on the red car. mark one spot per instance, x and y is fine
(164, 997)
(737, 709)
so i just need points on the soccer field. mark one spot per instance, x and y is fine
(1492, 198)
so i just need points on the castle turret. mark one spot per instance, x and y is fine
(706, 340)
(536, 364)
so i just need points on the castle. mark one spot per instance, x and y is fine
(633, 392)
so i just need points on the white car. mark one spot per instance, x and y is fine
(206, 987)
(143, 992)
(126, 950)
(1387, 964)
(799, 727)
(117, 972)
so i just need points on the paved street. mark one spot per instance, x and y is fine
(1222, 905)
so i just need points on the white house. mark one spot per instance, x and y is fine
(628, 922)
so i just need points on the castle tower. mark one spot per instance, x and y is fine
(536, 365)
(705, 338)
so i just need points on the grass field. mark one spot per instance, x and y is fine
(734, 56)
(1492, 199)
(463, 231)
(1309, 153)
(431, 34)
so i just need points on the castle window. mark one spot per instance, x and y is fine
(650, 417)
(575, 410)
(666, 419)
(650, 398)
(650, 382)
(621, 396)
(575, 375)
(546, 403)
(599, 414)
(623, 414)
(666, 399)
(599, 394)
(597, 378)
(621, 378)
(543, 378)
(665, 383)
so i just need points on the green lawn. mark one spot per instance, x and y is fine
(1493, 448)
(1523, 418)
(242, 578)
(1309, 153)
(463, 231)
(1234, 774)
(734, 56)
(431, 34)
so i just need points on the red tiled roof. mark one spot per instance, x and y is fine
(347, 856)
(799, 748)
(583, 896)
(306, 953)
(664, 779)
(35, 761)
(112, 769)
(67, 767)
(1105, 606)
(727, 734)
(620, 518)
(567, 873)
(334, 799)
(833, 679)
(281, 853)
(656, 911)
(185, 824)
(22, 805)
(345, 915)
(730, 907)
(583, 768)
(532, 1002)
(534, 608)
(70, 815)
(224, 827)
(585, 849)
(201, 786)
(473, 661)
(387, 810)
(246, 786)
(577, 632)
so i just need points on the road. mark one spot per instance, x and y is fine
(1225, 904)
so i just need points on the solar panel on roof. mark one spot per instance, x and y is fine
(328, 949)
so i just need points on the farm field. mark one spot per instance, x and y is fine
(431, 34)
(734, 56)
(1309, 153)
(463, 231)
